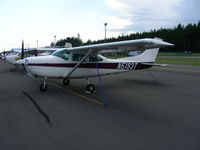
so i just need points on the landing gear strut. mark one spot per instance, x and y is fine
(43, 86)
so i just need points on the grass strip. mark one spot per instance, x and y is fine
(179, 61)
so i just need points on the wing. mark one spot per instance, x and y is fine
(42, 51)
(123, 46)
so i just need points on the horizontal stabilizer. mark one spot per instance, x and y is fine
(154, 64)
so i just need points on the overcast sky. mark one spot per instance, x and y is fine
(41, 20)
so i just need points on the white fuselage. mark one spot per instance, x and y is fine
(59, 68)
(55, 67)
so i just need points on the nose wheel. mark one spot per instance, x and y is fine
(43, 87)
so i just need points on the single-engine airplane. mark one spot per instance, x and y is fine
(87, 61)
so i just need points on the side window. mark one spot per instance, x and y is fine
(77, 57)
(94, 59)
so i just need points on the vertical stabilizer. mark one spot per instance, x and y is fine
(147, 56)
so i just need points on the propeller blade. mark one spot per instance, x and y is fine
(22, 54)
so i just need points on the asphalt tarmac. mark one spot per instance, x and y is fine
(143, 113)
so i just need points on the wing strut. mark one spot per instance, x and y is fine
(105, 100)
(76, 66)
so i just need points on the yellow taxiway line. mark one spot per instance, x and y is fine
(100, 103)
(76, 94)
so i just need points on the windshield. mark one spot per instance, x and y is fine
(64, 54)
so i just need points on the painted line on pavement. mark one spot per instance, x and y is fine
(77, 94)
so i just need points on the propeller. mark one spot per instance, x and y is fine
(22, 54)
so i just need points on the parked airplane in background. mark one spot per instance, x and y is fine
(16, 60)
(87, 61)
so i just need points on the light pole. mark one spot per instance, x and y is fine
(105, 24)
(54, 40)
(37, 43)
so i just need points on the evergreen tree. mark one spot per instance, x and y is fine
(184, 38)
(74, 41)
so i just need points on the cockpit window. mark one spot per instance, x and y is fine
(94, 59)
(64, 54)
(78, 57)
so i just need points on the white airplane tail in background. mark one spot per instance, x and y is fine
(148, 55)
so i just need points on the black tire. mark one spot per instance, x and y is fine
(90, 88)
(43, 88)
(66, 82)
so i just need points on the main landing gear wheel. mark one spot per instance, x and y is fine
(66, 81)
(43, 87)
(90, 88)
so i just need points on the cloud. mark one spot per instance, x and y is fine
(117, 22)
(88, 13)
(118, 6)
(189, 11)
(144, 15)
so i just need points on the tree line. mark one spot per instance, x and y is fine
(185, 38)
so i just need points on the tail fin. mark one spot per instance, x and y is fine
(147, 56)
